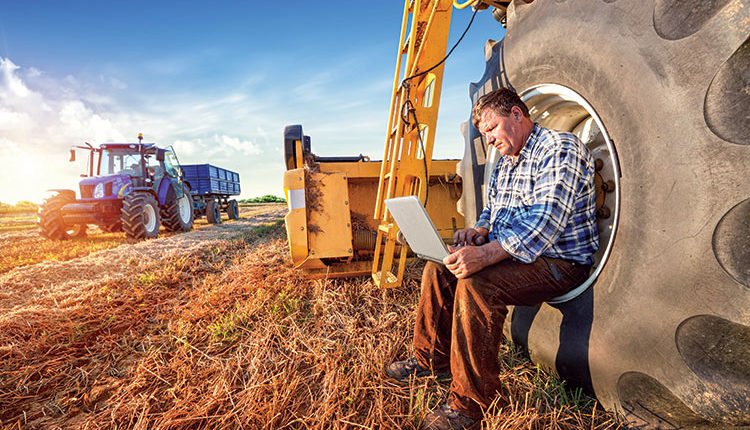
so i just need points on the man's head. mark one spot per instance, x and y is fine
(503, 119)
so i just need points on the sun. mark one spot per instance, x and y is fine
(29, 176)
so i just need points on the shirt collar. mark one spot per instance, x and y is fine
(536, 131)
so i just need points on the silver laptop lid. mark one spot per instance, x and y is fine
(417, 227)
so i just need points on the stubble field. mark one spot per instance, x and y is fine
(214, 329)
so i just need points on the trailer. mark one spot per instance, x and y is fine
(211, 188)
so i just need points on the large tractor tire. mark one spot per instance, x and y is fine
(233, 209)
(658, 90)
(51, 225)
(177, 214)
(140, 216)
(213, 212)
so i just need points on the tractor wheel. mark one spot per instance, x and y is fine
(140, 216)
(213, 212)
(177, 214)
(233, 209)
(111, 228)
(658, 90)
(78, 230)
(51, 225)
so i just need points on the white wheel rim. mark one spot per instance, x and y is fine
(149, 217)
(185, 205)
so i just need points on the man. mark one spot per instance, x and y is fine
(534, 241)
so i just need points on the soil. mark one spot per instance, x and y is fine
(22, 285)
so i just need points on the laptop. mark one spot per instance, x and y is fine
(417, 227)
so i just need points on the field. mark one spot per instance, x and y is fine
(214, 329)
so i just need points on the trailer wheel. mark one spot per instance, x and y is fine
(667, 85)
(233, 209)
(177, 214)
(49, 215)
(140, 216)
(213, 212)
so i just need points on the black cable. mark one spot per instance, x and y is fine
(410, 107)
(466, 30)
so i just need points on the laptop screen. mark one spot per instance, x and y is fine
(417, 227)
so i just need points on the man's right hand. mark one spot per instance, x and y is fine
(470, 236)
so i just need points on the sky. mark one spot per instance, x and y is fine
(218, 81)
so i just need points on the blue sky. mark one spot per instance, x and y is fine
(219, 83)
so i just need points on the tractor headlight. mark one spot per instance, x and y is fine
(99, 191)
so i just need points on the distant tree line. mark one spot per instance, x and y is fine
(22, 206)
(268, 198)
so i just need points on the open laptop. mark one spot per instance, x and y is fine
(417, 227)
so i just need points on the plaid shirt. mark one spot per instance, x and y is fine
(544, 205)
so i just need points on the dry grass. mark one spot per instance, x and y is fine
(229, 336)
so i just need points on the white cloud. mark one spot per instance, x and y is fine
(10, 120)
(9, 80)
(244, 146)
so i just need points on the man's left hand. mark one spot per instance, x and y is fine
(464, 261)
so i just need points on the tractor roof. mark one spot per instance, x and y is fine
(147, 147)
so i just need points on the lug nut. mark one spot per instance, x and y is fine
(608, 186)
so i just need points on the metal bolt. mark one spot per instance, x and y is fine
(608, 186)
(598, 164)
(603, 212)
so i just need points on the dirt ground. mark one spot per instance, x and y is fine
(28, 283)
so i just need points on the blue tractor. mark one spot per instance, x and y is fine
(130, 187)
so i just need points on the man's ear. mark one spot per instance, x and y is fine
(516, 112)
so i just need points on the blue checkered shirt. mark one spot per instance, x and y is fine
(545, 203)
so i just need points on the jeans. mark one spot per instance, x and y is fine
(459, 324)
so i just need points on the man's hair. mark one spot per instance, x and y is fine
(500, 101)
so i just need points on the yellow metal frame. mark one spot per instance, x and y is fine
(407, 157)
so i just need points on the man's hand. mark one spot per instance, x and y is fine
(470, 236)
(466, 260)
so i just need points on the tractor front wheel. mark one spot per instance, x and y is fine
(50, 218)
(140, 216)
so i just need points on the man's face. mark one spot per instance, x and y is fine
(505, 133)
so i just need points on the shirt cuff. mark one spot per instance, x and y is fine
(482, 224)
(513, 246)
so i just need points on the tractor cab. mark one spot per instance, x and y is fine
(122, 167)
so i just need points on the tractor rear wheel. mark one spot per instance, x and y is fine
(177, 214)
(233, 210)
(140, 216)
(51, 224)
(213, 212)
